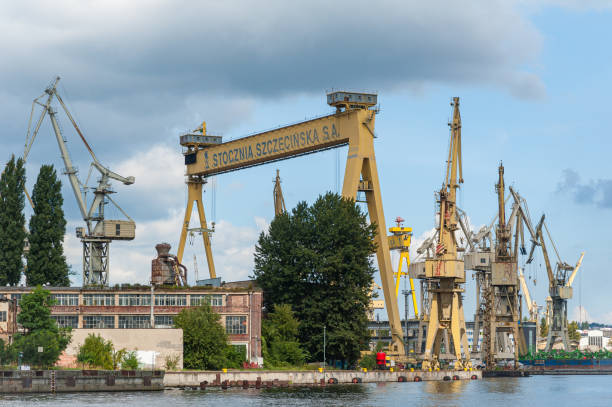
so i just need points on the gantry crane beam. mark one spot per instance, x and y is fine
(352, 125)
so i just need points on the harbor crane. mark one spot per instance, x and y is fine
(495, 261)
(444, 271)
(559, 288)
(98, 232)
(351, 124)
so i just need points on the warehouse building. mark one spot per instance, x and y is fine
(142, 318)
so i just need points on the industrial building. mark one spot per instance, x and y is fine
(142, 318)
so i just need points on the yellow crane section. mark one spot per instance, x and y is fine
(279, 201)
(352, 124)
(532, 307)
(400, 240)
(571, 279)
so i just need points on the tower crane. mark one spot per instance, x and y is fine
(99, 232)
(559, 288)
(445, 271)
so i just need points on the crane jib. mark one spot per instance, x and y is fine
(269, 146)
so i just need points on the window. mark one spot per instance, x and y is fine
(98, 299)
(235, 324)
(16, 297)
(215, 300)
(171, 299)
(65, 321)
(134, 299)
(164, 321)
(98, 321)
(66, 299)
(2, 316)
(117, 229)
(134, 321)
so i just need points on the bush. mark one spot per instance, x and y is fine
(129, 361)
(96, 352)
(171, 362)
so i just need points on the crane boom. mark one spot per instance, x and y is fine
(571, 279)
(530, 305)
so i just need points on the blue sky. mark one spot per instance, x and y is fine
(533, 78)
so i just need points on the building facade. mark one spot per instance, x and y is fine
(138, 308)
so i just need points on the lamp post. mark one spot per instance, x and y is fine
(324, 347)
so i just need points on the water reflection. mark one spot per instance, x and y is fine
(450, 387)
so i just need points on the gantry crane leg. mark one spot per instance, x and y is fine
(361, 175)
(399, 274)
(194, 194)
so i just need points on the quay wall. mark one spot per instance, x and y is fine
(215, 378)
(56, 381)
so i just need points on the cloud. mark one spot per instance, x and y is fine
(142, 71)
(130, 262)
(594, 192)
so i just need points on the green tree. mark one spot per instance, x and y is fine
(8, 354)
(129, 361)
(280, 345)
(46, 260)
(40, 330)
(12, 222)
(318, 260)
(543, 328)
(572, 331)
(205, 344)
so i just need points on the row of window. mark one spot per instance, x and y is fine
(215, 300)
(234, 324)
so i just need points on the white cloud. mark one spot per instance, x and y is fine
(130, 262)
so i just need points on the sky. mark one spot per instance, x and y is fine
(533, 78)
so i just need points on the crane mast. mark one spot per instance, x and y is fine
(99, 230)
(445, 272)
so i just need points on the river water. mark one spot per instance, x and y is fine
(537, 391)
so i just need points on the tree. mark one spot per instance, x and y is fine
(130, 361)
(12, 222)
(280, 345)
(543, 328)
(205, 345)
(318, 260)
(46, 260)
(572, 331)
(96, 352)
(99, 352)
(40, 330)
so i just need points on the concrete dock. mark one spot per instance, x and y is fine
(259, 378)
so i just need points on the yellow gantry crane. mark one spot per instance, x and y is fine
(400, 240)
(351, 124)
(444, 270)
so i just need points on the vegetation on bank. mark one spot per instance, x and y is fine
(99, 353)
(41, 342)
(573, 355)
(205, 343)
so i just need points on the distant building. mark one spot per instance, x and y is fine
(141, 318)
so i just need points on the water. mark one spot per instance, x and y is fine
(534, 391)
